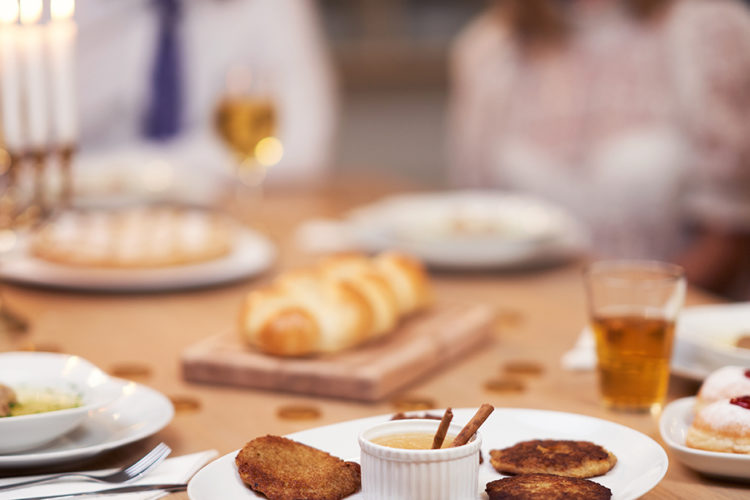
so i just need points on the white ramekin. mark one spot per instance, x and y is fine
(397, 474)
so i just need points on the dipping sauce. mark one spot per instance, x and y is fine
(411, 441)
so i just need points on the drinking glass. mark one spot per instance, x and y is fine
(246, 119)
(633, 307)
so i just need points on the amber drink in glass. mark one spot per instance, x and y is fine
(246, 119)
(633, 307)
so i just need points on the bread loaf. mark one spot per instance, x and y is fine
(344, 301)
(359, 273)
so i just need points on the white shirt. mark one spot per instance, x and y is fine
(115, 54)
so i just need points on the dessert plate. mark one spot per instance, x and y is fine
(641, 462)
(470, 229)
(252, 254)
(674, 424)
(138, 412)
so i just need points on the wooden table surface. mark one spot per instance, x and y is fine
(539, 315)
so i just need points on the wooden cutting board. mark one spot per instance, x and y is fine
(421, 345)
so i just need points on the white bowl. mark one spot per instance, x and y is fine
(399, 474)
(57, 372)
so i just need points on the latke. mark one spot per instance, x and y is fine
(546, 486)
(283, 469)
(563, 458)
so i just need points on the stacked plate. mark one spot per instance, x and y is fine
(470, 229)
(104, 412)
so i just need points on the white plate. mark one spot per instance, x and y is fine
(641, 462)
(137, 413)
(710, 331)
(252, 254)
(39, 373)
(673, 426)
(518, 231)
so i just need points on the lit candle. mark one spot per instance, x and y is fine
(10, 92)
(62, 37)
(32, 37)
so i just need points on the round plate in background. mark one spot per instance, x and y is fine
(710, 331)
(252, 254)
(470, 229)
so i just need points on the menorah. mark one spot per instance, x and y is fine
(39, 120)
(37, 93)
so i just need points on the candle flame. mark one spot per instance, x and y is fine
(62, 9)
(8, 11)
(31, 11)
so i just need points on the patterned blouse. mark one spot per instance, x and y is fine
(638, 129)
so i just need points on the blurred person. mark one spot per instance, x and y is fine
(633, 114)
(151, 72)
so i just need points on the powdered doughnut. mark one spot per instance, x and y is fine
(724, 383)
(722, 426)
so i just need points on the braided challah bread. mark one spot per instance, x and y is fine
(344, 301)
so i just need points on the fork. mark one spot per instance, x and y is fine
(123, 475)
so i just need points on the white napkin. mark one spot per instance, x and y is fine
(582, 357)
(172, 470)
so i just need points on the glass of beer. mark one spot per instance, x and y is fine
(633, 307)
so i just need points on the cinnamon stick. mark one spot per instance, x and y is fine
(437, 441)
(474, 424)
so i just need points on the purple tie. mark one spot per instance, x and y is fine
(163, 115)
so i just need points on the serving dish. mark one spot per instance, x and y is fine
(674, 424)
(642, 463)
(86, 388)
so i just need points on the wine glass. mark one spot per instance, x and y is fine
(246, 119)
